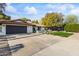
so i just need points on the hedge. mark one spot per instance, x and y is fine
(71, 27)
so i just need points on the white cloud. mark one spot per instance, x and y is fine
(75, 11)
(13, 17)
(65, 7)
(60, 8)
(30, 10)
(11, 9)
(8, 3)
(50, 11)
(50, 6)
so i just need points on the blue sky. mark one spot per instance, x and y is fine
(38, 10)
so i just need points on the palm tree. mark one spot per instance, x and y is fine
(2, 7)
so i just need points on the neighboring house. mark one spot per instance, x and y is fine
(56, 28)
(17, 26)
(39, 28)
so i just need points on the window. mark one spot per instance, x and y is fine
(0, 28)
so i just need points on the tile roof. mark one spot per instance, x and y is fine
(15, 22)
(19, 22)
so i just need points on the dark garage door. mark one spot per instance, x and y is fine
(10, 29)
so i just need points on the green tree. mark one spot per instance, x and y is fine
(71, 19)
(25, 19)
(1, 16)
(35, 21)
(7, 17)
(52, 19)
(2, 10)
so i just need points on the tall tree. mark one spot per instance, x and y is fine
(2, 7)
(52, 19)
(71, 19)
(2, 10)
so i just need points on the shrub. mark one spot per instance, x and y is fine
(72, 28)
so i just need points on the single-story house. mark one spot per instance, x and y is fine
(17, 26)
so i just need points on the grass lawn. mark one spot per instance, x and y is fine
(61, 33)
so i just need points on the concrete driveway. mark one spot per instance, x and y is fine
(33, 45)
(46, 45)
(68, 47)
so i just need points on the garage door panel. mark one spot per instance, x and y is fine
(15, 29)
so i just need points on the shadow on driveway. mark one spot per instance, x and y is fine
(16, 47)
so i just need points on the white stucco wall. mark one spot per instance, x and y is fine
(36, 29)
(3, 32)
(29, 29)
(42, 29)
